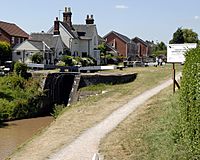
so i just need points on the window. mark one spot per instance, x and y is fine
(18, 53)
(113, 44)
(0, 32)
(19, 40)
(84, 54)
(13, 40)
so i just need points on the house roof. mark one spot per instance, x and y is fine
(84, 31)
(13, 30)
(81, 31)
(140, 40)
(121, 36)
(70, 30)
(46, 37)
(39, 45)
(101, 39)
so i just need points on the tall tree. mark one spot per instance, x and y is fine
(190, 36)
(178, 37)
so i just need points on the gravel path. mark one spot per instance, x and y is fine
(86, 145)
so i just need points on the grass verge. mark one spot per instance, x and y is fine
(148, 133)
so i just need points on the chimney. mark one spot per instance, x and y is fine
(89, 19)
(56, 27)
(67, 16)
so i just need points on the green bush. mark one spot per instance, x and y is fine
(190, 103)
(19, 98)
(69, 60)
(5, 51)
(20, 69)
(57, 110)
(37, 58)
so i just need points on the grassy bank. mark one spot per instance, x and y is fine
(147, 134)
(18, 97)
(88, 112)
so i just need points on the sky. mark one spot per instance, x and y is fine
(155, 20)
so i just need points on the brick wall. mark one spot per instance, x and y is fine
(4, 36)
(119, 45)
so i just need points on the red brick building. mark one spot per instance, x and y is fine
(124, 46)
(143, 47)
(12, 34)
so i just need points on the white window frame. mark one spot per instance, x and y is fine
(13, 40)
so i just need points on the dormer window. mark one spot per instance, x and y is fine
(81, 34)
(113, 43)
(19, 40)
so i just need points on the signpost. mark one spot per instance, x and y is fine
(175, 54)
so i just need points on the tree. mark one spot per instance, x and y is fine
(37, 58)
(177, 37)
(190, 36)
(159, 49)
(5, 51)
(184, 36)
(102, 48)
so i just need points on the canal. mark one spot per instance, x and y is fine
(15, 133)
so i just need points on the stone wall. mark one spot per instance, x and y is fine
(93, 79)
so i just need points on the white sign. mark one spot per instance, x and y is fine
(175, 52)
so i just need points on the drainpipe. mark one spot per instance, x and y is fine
(43, 48)
(70, 45)
(126, 50)
(88, 47)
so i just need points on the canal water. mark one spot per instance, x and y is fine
(15, 133)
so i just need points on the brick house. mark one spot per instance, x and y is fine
(12, 34)
(143, 47)
(124, 46)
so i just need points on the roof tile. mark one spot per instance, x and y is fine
(13, 30)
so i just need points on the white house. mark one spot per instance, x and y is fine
(25, 50)
(81, 40)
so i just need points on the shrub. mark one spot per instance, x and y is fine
(37, 58)
(20, 68)
(68, 60)
(190, 102)
(60, 63)
(87, 62)
(57, 110)
(19, 98)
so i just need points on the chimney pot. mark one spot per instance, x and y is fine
(90, 20)
(65, 9)
(56, 27)
(67, 16)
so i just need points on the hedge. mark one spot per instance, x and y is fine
(190, 103)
